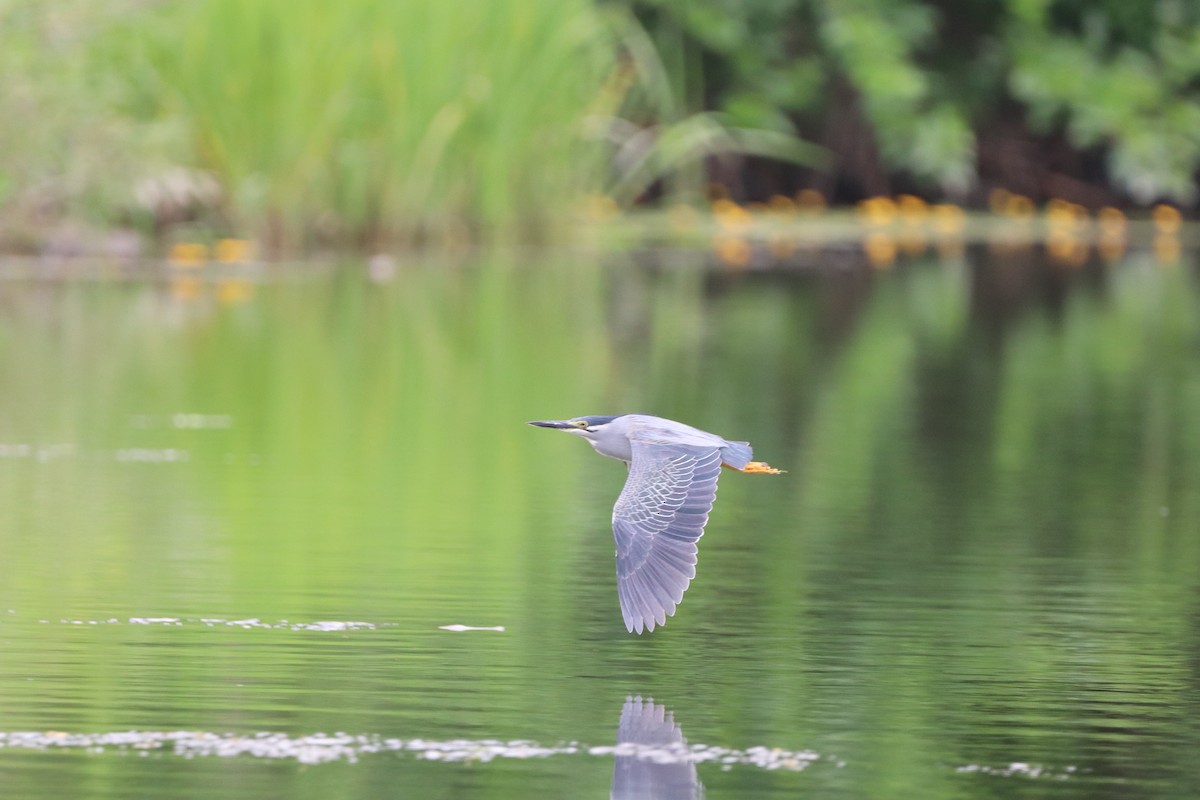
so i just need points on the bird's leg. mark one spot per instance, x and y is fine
(759, 468)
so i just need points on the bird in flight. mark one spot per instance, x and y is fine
(661, 512)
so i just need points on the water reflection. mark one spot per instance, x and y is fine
(652, 759)
(981, 565)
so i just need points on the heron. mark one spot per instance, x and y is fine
(661, 513)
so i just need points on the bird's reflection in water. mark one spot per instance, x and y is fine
(652, 757)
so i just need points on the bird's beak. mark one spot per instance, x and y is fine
(552, 423)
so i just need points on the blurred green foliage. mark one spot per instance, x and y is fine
(931, 80)
(1116, 78)
(369, 123)
(64, 150)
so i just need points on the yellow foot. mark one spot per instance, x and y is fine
(762, 468)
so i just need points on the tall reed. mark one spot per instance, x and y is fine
(360, 121)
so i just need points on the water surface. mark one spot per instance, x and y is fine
(241, 505)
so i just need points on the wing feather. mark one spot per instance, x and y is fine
(658, 518)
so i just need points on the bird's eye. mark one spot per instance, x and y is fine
(580, 423)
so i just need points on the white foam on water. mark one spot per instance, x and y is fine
(461, 628)
(217, 622)
(1020, 769)
(319, 748)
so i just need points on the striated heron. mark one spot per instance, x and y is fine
(662, 510)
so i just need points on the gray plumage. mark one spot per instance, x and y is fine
(660, 514)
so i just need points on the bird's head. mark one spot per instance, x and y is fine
(587, 427)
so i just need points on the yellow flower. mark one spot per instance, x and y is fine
(730, 215)
(186, 255)
(1019, 206)
(913, 210)
(877, 211)
(1167, 219)
(1064, 215)
(948, 219)
(233, 251)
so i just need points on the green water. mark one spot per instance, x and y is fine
(238, 508)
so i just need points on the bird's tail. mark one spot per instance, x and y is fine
(736, 454)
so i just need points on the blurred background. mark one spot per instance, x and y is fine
(300, 126)
(281, 282)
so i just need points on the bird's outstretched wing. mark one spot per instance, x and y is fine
(657, 519)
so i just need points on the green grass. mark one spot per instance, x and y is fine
(361, 121)
(309, 124)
